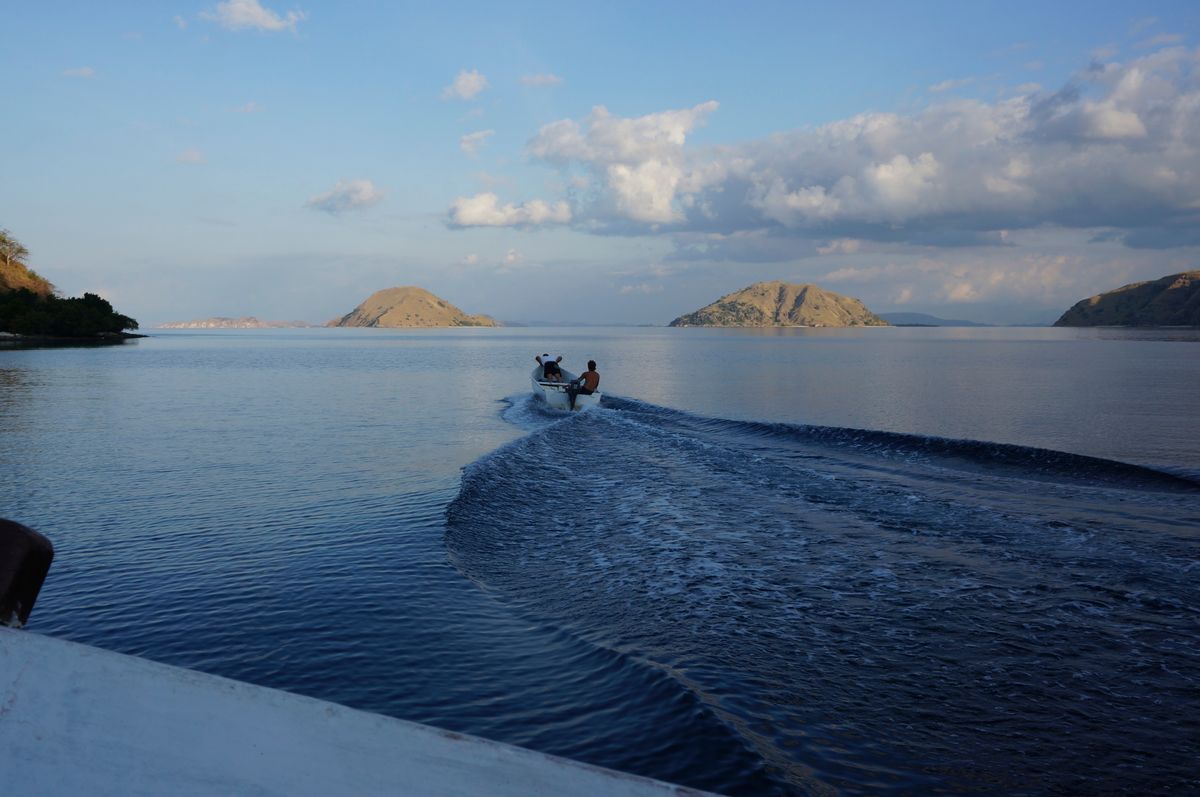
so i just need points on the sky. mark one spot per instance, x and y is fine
(600, 162)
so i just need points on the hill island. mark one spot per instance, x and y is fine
(242, 322)
(1171, 301)
(409, 306)
(781, 304)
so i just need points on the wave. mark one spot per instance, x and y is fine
(1025, 461)
(865, 609)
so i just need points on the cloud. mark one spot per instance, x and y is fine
(466, 86)
(544, 79)
(485, 210)
(947, 85)
(1117, 147)
(346, 195)
(470, 260)
(1141, 24)
(512, 257)
(471, 143)
(80, 72)
(250, 14)
(1159, 40)
(641, 161)
(180, 22)
(840, 246)
(642, 288)
(193, 156)
(250, 107)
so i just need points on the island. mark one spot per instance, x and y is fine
(30, 308)
(242, 322)
(1170, 301)
(409, 306)
(781, 304)
(926, 320)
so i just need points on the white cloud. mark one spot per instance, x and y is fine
(1118, 147)
(641, 160)
(947, 85)
(1141, 24)
(193, 156)
(250, 107)
(485, 210)
(1160, 40)
(346, 195)
(250, 14)
(840, 246)
(471, 143)
(180, 22)
(544, 79)
(466, 86)
(82, 71)
(470, 260)
(512, 257)
(643, 288)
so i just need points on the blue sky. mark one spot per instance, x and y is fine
(993, 161)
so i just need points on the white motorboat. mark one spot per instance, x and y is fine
(555, 393)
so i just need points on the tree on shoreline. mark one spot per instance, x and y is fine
(11, 248)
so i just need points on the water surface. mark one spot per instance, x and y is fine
(895, 560)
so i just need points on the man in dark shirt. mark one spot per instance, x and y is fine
(586, 384)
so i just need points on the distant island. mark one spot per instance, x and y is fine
(409, 306)
(242, 322)
(1171, 301)
(30, 308)
(781, 304)
(926, 320)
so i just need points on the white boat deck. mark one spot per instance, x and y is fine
(75, 719)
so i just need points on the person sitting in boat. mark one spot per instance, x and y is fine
(586, 384)
(550, 370)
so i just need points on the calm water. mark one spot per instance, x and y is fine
(790, 562)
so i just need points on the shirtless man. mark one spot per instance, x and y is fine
(550, 369)
(586, 384)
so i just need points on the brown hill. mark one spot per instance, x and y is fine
(409, 307)
(780, 304)
(1172, 301)
(15, 275)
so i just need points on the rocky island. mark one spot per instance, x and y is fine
(1171, 301)
(409, 306)
(781, 304)
(242, 322)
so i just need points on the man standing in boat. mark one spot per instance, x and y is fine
(550, 369)
(586, 384)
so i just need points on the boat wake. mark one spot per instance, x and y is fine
(866, 611)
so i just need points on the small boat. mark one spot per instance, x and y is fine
(555, 393)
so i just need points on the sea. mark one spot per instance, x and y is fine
(772, 562)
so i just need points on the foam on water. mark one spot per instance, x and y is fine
(868, 611)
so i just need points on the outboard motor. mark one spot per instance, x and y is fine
(25, 558)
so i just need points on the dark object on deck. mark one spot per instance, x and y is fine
(25, 558)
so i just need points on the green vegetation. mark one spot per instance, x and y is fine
(26, 313)
(28, 305)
